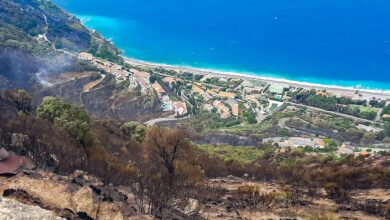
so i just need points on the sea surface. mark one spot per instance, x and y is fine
(333, 42)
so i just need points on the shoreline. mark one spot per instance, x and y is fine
(365, 93)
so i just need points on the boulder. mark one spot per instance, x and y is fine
(109, 211)
(12, 209)
(84, 200)
(3, 154)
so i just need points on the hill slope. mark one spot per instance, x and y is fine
(36, 35)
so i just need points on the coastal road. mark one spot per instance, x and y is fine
(334, 113)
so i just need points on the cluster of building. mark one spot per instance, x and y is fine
(167, 105)
(139, 80)
(107, 66)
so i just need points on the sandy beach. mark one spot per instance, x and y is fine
(337, 90)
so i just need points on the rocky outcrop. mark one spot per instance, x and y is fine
(75, 196)
(12, 209)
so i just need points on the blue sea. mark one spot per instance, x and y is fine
(334, 42)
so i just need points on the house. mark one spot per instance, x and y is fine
(133, 83)
(170, 80)
(180, 108)
(85, 56)
(226, 94)
(251, 98)
(235, 110)
(145, 86)
(159, 90)
(234, 104)
(386, 116)
(140, 74)
(251, 90)
(223, 110)
(207, 96)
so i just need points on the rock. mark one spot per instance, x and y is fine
(192, 207)
(141, 217)
(112, 194)
(3, 154)
(109, 211)
(231, 177)
(12, 209)
(84, 200)
(84, 179)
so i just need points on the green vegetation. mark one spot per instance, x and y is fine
(247, 115)
(376, 104)
(263, 129)
(206, 121)
(344, 105)
(243, 155)
(152, 78)
(22, 22)
(231, 83)
(134, 130)
(73, 119)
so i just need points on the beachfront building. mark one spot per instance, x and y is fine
(85, 56)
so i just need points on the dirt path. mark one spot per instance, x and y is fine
(88, 87)
(165, 119)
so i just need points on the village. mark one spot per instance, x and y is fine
(184, 94)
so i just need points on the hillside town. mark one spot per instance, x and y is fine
(251, 101)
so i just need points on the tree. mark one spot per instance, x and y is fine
(152, 79)
(73, 119)
(168, 178)
(21, 98)
(165, 146)
(134, 130)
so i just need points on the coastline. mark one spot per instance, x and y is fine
(367, 93)
(338, 90)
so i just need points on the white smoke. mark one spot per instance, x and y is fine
(52, 66)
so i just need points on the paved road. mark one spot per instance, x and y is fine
(330, 112)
